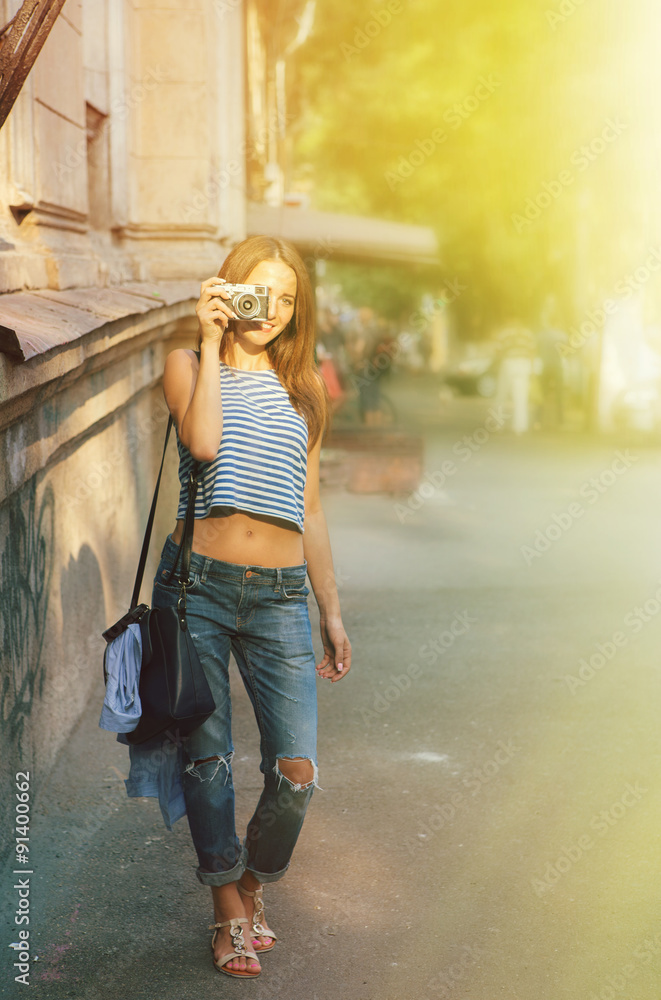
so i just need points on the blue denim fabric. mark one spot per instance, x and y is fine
(121, 709)
(261, 616)
(155, 771)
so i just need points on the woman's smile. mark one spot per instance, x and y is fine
(280, 280)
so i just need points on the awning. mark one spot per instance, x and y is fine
(334, 236)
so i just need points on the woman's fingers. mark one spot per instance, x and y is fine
(211, 283)
(336, 662)
(324, 664)
(221, 311)
(212, 307)
(213, 294)
(214, 287)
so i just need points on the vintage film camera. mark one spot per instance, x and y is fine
(248, 301)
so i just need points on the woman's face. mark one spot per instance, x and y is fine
(281, 282)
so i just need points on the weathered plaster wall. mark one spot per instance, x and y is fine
(81, 435)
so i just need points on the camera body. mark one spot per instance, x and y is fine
(248, 301)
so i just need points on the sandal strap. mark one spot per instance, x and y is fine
(236, 933)
(236, 954)
(228, 923)
(247, 892)
(257, 925)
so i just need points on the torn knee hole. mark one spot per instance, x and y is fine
(200, 768)
(299, 771)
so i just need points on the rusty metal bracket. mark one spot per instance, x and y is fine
(21, 42)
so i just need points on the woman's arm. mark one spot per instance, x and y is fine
(336, 662)
(192, 391)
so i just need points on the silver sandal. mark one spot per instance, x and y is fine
(239, 945)
(257, 926)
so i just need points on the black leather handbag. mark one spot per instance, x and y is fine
(174, 693)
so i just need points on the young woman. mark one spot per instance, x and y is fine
(251, 406)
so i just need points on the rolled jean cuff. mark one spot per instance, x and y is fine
(264, 876)
(222, 878)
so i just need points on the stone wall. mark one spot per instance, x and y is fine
(81, 435)
(123, 157)
(122, 177)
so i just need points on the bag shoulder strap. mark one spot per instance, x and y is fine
(187, 540)
(150, 525)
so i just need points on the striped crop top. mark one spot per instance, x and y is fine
(261, 463)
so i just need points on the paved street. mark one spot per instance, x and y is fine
(490, 820)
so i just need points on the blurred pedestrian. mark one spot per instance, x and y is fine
(330, 356)
(550, 342)
(329, 373)
(362, 349)
(515, 351)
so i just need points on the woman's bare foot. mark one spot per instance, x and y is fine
(259, 942)
(227, 903)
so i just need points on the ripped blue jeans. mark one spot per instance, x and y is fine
(261, 616)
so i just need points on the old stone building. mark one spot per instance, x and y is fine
(122, 185)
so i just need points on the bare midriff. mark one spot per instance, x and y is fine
(246, 540)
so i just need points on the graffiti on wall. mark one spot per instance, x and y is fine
(26, 566)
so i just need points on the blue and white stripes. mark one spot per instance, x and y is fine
(261, 464)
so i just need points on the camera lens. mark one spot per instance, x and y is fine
(247, 306)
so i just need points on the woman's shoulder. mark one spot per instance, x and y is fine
(179, 376)
(182, 356)
(181, 362)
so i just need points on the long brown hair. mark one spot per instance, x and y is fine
(292, 352)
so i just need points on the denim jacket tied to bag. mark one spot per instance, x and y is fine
(156, 765)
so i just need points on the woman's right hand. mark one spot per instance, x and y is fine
(213, 311)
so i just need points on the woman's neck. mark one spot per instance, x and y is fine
(236, 357)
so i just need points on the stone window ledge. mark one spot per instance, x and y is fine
(33, 323)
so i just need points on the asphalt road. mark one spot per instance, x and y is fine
(490, 820)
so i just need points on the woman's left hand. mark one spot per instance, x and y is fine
(336, 663)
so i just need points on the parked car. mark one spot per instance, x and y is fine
(473, 377)
(639, 409)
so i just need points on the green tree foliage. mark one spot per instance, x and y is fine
(524, 132)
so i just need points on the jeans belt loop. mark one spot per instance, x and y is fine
(205, 570)
(278, 579)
